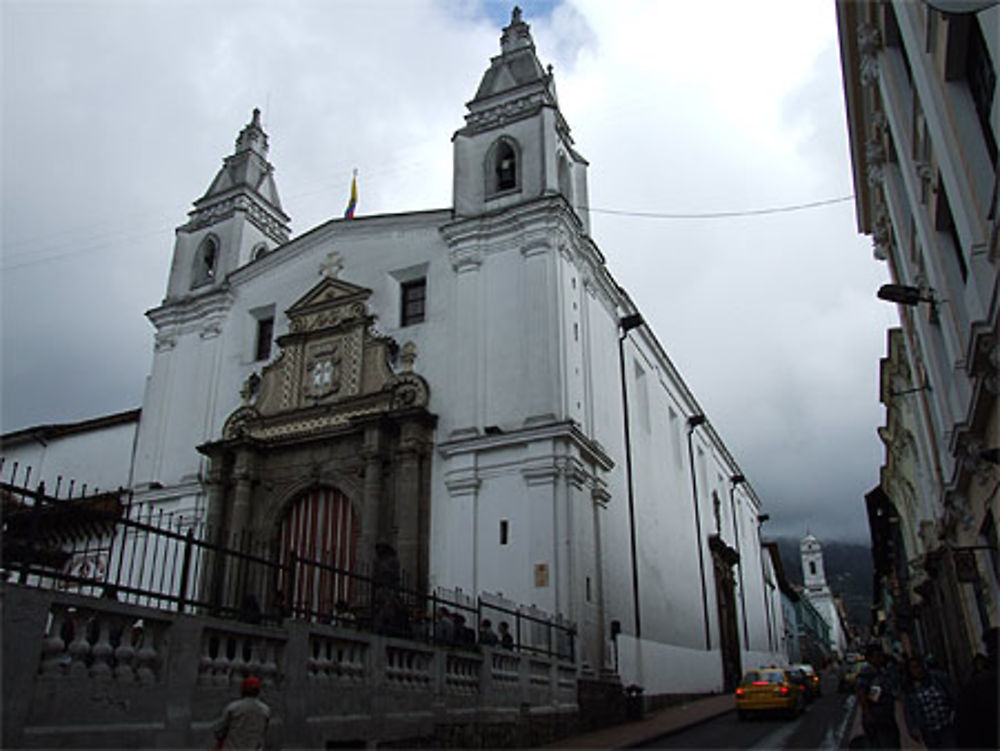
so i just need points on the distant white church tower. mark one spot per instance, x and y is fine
(818, 591)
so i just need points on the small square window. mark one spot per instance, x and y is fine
(414, 296)
(265, 333)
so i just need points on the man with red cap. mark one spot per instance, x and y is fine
(243, 724)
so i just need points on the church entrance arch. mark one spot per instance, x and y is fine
(328, 457)
(321, 529)
(723, 559)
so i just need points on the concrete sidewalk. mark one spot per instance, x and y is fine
(655, 724)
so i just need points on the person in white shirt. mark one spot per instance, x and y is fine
(243, 724)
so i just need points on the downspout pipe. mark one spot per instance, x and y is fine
(626, 324)
(761, 518)
(693, 422)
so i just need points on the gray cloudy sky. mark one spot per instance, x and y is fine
(116, 116)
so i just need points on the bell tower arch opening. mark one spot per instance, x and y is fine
(505, 163)
(565, 179)
(205, 262)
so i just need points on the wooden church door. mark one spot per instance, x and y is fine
(321, 528)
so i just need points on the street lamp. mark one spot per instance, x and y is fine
(626, 324)
(693, 422)
(735, 480)
(903, 294)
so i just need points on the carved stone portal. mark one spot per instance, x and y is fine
(329, 418)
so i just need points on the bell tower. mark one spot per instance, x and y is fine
(516, 145)
(238, 219)
(813, 576)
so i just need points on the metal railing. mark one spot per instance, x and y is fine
(106, 545)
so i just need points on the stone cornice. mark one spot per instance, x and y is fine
(508, 111)
(462, 483)
(270, 220)
(199, 308)
(590, 450)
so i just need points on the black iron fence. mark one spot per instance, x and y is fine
(104, 544)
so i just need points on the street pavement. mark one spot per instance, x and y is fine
(654, 725)
(828, 723)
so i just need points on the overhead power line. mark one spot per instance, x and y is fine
(21, 259)
(722, 214)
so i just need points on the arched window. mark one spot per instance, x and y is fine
(322, 530)
(812, 568)
(504, 160)
(259, 251)
(205, 261)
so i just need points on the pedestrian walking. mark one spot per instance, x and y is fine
(976, 709)
(243, 725)
(928, 705)
(876, 690)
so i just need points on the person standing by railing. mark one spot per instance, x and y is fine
(506, 640)
(487, 636)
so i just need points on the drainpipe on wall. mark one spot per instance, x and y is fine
(761, 518)
(693, 422)
(626, 324)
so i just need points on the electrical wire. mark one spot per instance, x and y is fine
(721, 214)
(18, 259)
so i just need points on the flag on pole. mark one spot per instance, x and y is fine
(353, 202)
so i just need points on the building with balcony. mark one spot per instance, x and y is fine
(924, 121)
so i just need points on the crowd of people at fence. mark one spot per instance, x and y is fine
(390, 615)
(450, 628)
(383, 606)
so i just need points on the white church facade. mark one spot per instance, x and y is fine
(454, 382)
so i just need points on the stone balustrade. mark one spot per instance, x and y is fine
(94, 672)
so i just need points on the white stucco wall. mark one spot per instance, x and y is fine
(98, 456)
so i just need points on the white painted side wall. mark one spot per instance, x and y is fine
(99, 459)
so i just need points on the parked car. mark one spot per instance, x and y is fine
(769, 690)
(812, 679)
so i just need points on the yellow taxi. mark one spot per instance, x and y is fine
(768, 690)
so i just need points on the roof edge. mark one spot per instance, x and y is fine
(43, 433)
